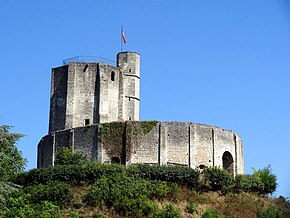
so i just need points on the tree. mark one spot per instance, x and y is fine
(67, 157)
(268, 179)
(11, 160)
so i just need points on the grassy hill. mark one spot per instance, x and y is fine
(100, 190)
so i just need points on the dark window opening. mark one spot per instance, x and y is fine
(115, 160)
(112, 76)
(130, 118)
(130, 70)
(228, 162)
(87, 122)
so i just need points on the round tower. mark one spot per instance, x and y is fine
(129, 65)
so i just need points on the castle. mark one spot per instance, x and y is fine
(94, 110)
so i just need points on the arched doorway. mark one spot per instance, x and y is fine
(115, 160)
(228, 162)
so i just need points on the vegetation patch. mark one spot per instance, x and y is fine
(122, 139)
(128, 195)
(112, 138)
(177, 174)
(148, 125)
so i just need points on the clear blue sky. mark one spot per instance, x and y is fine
(223, 63)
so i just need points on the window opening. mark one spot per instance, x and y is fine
(87, 122)
(112, 76)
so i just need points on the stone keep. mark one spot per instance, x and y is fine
(90, 93)
(90, 101)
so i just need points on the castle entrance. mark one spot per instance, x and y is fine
(228, 162)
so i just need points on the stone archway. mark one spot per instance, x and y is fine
(228, 162)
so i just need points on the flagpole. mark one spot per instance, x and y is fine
(121, 39)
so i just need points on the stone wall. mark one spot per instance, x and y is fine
(190, 144)
(90, 93)
(58, 98)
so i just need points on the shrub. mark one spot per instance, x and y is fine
(168, 211)
(219, 179)
(284, 206)
(248, 183)
(210, 213)
(177, 174)
(191, 207)
(271, 212)
(75, 214)
(76, 174)
(42, 210)
(58, 193)
(268, 179)
(128, 195)
(66, 156)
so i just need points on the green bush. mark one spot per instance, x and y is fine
(128, 195)
(191, 207)
(169, 211)
(284, 206)
(58, 193)
(210, 213)
(271, 212)
(66, 156)
(268, 179)
(177, 174)
(43, 210)
(219, 179)
(75, 214)
(75, 174)
(248, 183)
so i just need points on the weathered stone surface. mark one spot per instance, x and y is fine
(189, 144)
(90, 93)
(88, 96)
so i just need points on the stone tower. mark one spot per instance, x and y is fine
(85, 93)
(87, 96)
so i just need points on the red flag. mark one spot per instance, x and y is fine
(123, 36)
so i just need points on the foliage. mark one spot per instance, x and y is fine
(77, 174)
(284, 206)
(67, 157)
(219, 179)
(111, 137)
(210, 213)
(58, 193)
(117, 137)
(177, 174)
(271, 212)
(6, 188)
(128, 195)
(169, 211)
(191, 207)
(148, 125)
(75, 214)
(11, 160)
(268, 179)
(20, 207)
(248, 183)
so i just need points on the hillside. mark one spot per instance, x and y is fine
(99, 190)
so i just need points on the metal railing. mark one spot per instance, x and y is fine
(89, 59)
